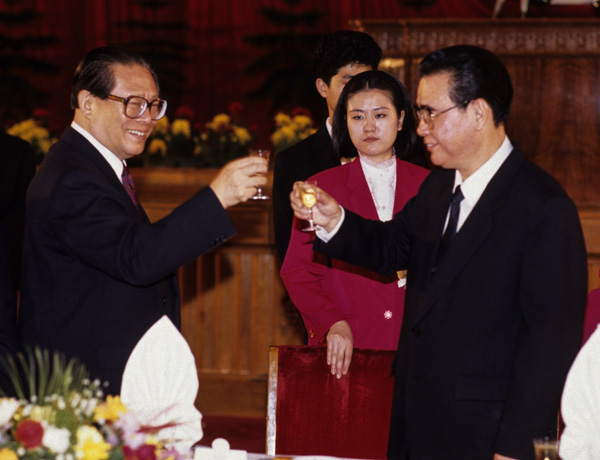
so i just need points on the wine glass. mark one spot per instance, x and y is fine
(263, 153)
(308, 194)
(545, 448)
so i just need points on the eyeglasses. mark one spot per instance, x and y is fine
(427, 117)
(135, 106)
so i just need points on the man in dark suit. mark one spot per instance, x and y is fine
(18, 167)
(339, 57)
(97, 274)
(497, 276)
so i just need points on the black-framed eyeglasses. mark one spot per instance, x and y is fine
(427, 116)
(135, 106)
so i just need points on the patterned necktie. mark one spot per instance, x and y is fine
(454, 213)
(130, 187)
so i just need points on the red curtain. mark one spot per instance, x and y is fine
(215, 62)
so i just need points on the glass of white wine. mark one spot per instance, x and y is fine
(263, 153)
(546, 449)
(308, 194)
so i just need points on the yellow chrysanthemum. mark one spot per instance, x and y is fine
(288, 132)
(110, 409)
(8, 454)
(181, 127)
(161, 126)
(221, 121)
(282, 119)
(91, 445)
(302, 121)
(242, 134)
(157, 147)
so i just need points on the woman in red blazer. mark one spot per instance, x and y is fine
(343, 305)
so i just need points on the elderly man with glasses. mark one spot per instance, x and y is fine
(497, 276)
(97, 274)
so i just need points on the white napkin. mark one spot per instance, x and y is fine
(580, 405)
(160, 384)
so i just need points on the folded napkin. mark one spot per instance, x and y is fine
(160, 384)
(580, 406)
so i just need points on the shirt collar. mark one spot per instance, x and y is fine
(115, 163)
(473, 187)
(329, 127)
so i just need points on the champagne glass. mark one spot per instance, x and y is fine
(263, 153)
(546, 449)
(308, 194)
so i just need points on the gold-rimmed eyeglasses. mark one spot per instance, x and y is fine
(135, 106)
(427, 116)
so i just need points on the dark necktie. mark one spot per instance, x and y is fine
(454, 213)
(130, 187)
(450, 228)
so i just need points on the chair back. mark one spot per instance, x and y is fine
(311, 412)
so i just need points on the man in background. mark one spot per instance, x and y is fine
(97, 274)
(339, 57)
(17, 169)
(497, 274)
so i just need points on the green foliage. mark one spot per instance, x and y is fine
(19, 68)
(37, 374)
(164, 44)
(287, 63)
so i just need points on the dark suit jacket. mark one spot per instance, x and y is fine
(299, 162)
(17, 168)
(97, 274)
(487, 339)
(326, 291)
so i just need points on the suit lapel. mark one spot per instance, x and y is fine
(359, 195)
(322, 148)
(96, 158)
(475, 229)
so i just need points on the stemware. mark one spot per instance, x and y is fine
(263, 153)
(308, 194)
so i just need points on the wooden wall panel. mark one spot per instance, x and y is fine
(554, 65)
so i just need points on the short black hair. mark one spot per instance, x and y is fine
(344, 47)
(406, 139)
(95, 74)
(474, 73)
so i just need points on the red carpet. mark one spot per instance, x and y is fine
(243, 433)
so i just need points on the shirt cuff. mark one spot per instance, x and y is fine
(324, 235)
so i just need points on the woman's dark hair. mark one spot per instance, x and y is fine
(95, 74)
(475, 73)
(406, 139)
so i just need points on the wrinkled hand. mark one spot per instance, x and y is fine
(238, 180)
(340, 343)
(326, 212)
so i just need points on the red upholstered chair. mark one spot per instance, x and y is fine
(592, 314)
(310, 412)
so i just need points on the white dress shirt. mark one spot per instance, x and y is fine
(472, 188)
(115, 163)
(381, 178)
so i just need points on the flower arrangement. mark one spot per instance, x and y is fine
(291, 129)
(36, 131)
(185, 143)
(67, 418)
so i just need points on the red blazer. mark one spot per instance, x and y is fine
(328, 290)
